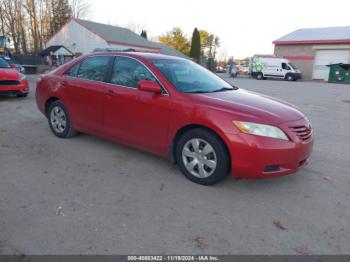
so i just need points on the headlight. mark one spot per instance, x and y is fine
(260, 130)
(22, 77)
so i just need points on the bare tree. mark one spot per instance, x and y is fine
(2, 18)
(80, 8)
(135, 27)
(10, 21)
(29, 23)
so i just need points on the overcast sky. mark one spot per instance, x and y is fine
(244, 27)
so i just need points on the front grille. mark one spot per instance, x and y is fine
(9, 82)
(303, 132)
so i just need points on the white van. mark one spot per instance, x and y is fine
(273, 67)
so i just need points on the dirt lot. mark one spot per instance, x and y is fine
(89, 196)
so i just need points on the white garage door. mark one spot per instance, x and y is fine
(326, 57)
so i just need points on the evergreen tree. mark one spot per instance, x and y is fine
(144, 34)
(195, 51)
(176, 39)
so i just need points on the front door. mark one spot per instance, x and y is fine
(132, 116)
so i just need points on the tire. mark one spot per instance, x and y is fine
(22, 95)
(290, 77)
(59, 120)
(259, 76)
(195, 164)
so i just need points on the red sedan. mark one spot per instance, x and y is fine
(12, 82)
(177, 109)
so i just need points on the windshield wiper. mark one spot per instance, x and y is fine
(198, 92)
(224, 89)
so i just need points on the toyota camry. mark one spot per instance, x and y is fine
(177, 109)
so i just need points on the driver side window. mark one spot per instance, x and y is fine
(128, 72)
(285, 66)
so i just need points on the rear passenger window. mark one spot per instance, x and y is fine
(128, 72)
(94, 68)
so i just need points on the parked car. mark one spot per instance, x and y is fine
(274, 67)
(242, 69)
(177, 109)
(220, 69)
(12, 82)
(18, 67)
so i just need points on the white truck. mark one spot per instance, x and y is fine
(273, 67)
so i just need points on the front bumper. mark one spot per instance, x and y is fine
(255, 157)
(297, 76)
(21, 88)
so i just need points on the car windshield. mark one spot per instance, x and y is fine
(8, 60)
(4, 64)
(189, 77)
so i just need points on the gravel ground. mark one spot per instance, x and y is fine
(89, 196)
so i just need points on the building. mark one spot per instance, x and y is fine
(82, 37)
(311, 50)
(59, 54)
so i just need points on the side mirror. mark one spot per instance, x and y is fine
(13, 66)
(149, 86)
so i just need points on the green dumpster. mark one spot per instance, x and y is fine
(339, 73)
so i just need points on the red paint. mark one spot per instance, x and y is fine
(10, 73)
(150, 121)
(299, 57)
(300, 42)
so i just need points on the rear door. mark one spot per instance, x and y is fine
(85, 87)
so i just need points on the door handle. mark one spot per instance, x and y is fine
(64, 83)
(110, 92)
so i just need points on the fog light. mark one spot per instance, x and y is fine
(271, 168)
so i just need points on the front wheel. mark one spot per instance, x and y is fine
(202, 157)
(59, 120)
(290, 78)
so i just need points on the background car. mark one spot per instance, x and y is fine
(18, 67)
(12, 82)
(175, 108)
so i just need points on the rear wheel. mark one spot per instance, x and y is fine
(202, 157)
(59, 120)
(259, 76)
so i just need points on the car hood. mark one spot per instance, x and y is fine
(9, 74)
(250, 106)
